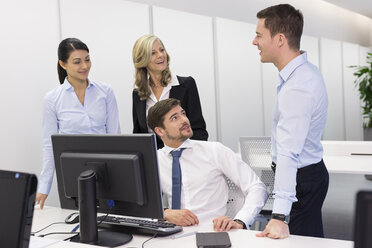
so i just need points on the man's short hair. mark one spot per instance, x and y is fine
(284, 18)
(155, 116)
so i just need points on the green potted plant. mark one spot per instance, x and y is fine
(363, 82)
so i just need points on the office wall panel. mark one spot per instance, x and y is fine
(311, 46)
(239, 81)
(189, 40)
(270, 80)
(28, 47)
(331, 68)
(29, 40)
(109, 28)
(353, 115)
(363, 54)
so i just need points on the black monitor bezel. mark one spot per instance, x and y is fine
(24, 212)
(143, 144)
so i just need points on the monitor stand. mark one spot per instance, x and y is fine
(89, 233)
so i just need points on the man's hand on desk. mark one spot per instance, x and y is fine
(275, 229)
(40, 199)
(181, 217)
(224, 223)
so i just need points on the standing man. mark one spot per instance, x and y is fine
(301, 178)
(192, 174)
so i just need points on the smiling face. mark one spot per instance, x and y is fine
(176, 127)
(158, 60)
(77, 66)
(265, 43)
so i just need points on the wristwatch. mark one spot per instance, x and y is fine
(241, 223)
(282, 217)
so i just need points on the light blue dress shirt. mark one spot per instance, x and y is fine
(64, 114)
(299, 118)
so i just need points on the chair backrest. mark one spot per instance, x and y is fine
(235, 200)
(255, 151)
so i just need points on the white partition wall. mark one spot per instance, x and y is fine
(311, 46)
(238, 81)
(189, 40)
(109, 28)
(363, 54)
(270, 80)
(353, 116)
(29, 41)
(331, 68)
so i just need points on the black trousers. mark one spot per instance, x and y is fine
(311, 190)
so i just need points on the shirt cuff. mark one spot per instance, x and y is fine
(248, 221)
(44, 188)
(282, 206)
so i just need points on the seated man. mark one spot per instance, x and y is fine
(192, 173)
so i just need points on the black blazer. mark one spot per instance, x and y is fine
(187, 93)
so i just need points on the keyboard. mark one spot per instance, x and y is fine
(138, 225)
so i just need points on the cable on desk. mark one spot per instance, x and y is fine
(53, 233)
(33, 233)
(66, 239)
(111, 204)
(147, 240)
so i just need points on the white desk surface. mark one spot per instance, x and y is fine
(347, 164)
(239, 238)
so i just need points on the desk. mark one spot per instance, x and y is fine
(239, 238)
(340, 157)
(344, 164)
(349, 164)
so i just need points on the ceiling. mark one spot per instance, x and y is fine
(363, 7)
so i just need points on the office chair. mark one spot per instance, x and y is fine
(236, 199)
(255, 151)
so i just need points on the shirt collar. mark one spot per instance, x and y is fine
(291, 66)
(186, 144)
(67, 86)
(174, 82)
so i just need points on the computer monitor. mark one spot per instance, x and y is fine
(122, 168)
(363, 220)
(17, 194)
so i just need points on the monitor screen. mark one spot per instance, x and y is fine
(17, 192)
(126, 168)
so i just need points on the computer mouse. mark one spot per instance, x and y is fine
(72, 218)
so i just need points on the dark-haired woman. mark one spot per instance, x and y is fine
(154, 82)
(78, 106)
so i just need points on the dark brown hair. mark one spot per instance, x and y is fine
(155, 117)
(65, 48)
(284, 18)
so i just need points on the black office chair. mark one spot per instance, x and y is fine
(363, 220)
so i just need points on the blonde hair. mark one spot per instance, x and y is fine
(142, 50)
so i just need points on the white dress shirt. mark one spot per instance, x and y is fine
(164, 95)
(204, 188)
(300, 115)
(63, 113)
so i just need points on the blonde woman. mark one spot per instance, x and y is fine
(154, 82)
